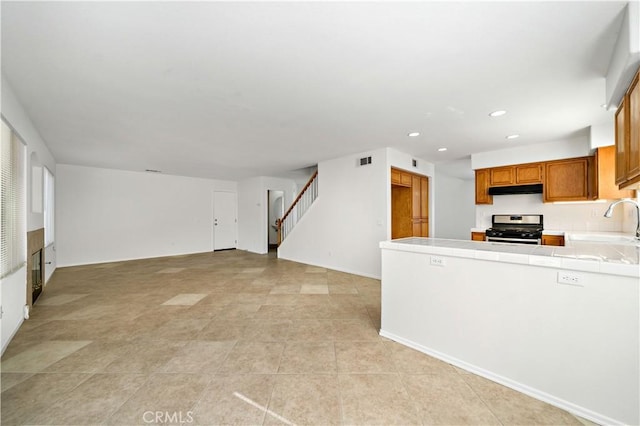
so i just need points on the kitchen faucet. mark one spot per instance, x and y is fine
(609, 212)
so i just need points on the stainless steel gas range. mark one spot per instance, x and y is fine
(515, 228)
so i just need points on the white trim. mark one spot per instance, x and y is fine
(527, 390)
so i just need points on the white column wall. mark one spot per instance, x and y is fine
(352, 214)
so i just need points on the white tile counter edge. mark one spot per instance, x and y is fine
(545, 256)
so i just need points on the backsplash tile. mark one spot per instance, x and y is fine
(579, 216)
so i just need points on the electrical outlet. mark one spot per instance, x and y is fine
(569, 278)
(438, 261)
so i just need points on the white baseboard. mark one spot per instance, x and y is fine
(527, 390)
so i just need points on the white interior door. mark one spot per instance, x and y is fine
(225, 223)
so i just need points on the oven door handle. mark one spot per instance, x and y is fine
(514, 240)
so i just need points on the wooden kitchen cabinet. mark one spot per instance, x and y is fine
(627, 126)
(622, 141)
(398, 177)
(409, 205)
(553, 240)
(605, 176)
(420, 205)
(566, 180)
(482, 187)
(502, 176)
(529, 174)
(478, 236)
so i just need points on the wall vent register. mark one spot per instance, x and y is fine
(365, 160)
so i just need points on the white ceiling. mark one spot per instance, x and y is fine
(232, 90)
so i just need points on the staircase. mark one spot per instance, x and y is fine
(298, 208)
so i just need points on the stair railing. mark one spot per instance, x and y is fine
(298, 208)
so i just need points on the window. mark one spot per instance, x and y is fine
(49, 205)
(13, 232)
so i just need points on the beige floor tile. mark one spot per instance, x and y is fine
(32, 396)
(436, 394)
(253, 357)
(179, 329)
(40, 356)
(321, 330)
(199, 357)
(354, 330)
(314, 289)
(308, 357)
(144, 357)
(59, 299)
(93, 401)
(266, 330)
(514, 408)
(305, 399)
(234, 400)
(285, 289)
(91, 358)
(254, 335)
(363, 357)
(185, 299)
(9, 380)
(170, 270)
(173, 394)
(410, 361)
(223, 330)
(376, 399)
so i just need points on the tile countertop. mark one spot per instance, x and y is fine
(605, 258)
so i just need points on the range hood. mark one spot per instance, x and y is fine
(516, 189)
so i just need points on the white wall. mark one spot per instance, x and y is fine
(108, 215)
(557, 150)
(588, 216)
(455, 206)
(352, 214)
(253, 210)
(13, 289)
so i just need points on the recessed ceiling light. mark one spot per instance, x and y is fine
(442, 149)
(513, 136)
(413, 134)
(603, 106)
(497, 113)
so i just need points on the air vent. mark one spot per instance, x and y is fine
(152, 171)
(414, 163)
(365, 160)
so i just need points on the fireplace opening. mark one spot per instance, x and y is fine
(36, 275)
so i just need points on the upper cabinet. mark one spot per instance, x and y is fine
(521, 174)
(627, 125)
(529, 174)
(482, 187)
(502, 176)
(605, 186)
(567, 180)
(572, 179)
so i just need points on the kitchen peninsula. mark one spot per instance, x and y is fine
(558, 323)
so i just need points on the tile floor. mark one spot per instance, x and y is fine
(233, 338)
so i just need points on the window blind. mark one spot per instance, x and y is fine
(49, 198)
(13, 231)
